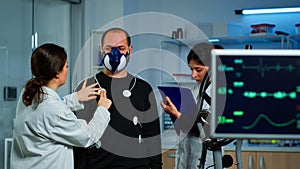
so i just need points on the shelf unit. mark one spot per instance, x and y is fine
(259, 41)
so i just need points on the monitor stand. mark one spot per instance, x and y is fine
(238, 154)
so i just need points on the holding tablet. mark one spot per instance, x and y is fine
(181, 97)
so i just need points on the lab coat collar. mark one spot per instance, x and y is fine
(51, 92)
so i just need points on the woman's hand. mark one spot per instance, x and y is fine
(170, 108)
(103, 101)
(87, 93)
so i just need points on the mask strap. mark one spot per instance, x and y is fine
(97, 81)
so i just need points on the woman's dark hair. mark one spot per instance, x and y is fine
(116, 29)
(46, 62)
(201, 53)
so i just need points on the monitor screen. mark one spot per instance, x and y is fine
(256, 94)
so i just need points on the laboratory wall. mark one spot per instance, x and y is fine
(15, 48)
(25, 24)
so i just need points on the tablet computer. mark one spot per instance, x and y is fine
(181, 97)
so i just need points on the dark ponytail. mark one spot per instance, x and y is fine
(46, 62)
(33, 90)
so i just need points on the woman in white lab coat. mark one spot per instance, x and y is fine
(47, 129)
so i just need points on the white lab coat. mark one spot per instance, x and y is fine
(44, 137)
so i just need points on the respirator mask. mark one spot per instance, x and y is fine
(115, 61)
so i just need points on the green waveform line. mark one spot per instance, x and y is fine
(276, 95)
(269, 121)
(262, 68)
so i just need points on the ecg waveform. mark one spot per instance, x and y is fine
(269, 121)
(276, 95)
(260, 67)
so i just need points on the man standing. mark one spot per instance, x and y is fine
(132, 139)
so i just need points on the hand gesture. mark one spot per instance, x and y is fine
(103, 101)
(170, 108)
(87, 93)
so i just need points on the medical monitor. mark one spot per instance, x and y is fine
(256, 94)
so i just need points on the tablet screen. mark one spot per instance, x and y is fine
(181, 97)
